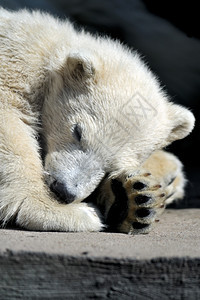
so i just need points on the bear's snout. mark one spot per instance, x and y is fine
(61, 191)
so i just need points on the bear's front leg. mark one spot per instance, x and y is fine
(24, 195)
(133, 202)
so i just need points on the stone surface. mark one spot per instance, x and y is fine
(164, 264)
(177, 234)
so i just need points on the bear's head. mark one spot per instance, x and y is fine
(105, 112)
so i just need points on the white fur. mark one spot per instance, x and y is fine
(52, 78)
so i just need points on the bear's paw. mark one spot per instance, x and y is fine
(139, 201)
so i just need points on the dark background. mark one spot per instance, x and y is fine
(167, 34)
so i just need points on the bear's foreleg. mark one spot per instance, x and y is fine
(133, 202)
(24, 195)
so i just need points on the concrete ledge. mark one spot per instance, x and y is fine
(48, 265)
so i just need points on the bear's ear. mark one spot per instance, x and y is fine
(181, 121)
(79, 65)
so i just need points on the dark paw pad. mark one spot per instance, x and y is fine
(143, 212)
(119, 210)
(137, 225)
(139, 186)
(141, 199)
(118, 190)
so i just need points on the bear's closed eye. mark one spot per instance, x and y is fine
(77, 132)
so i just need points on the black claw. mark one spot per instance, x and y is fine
(137, 225)
(139, 185)
(170, 182)
(162, 195)
(143, 212)
(170, 195)
(130, 175)
(141, 199)
(119, 210)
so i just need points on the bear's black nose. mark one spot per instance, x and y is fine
(61, 191)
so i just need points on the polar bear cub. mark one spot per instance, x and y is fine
(103, 119)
